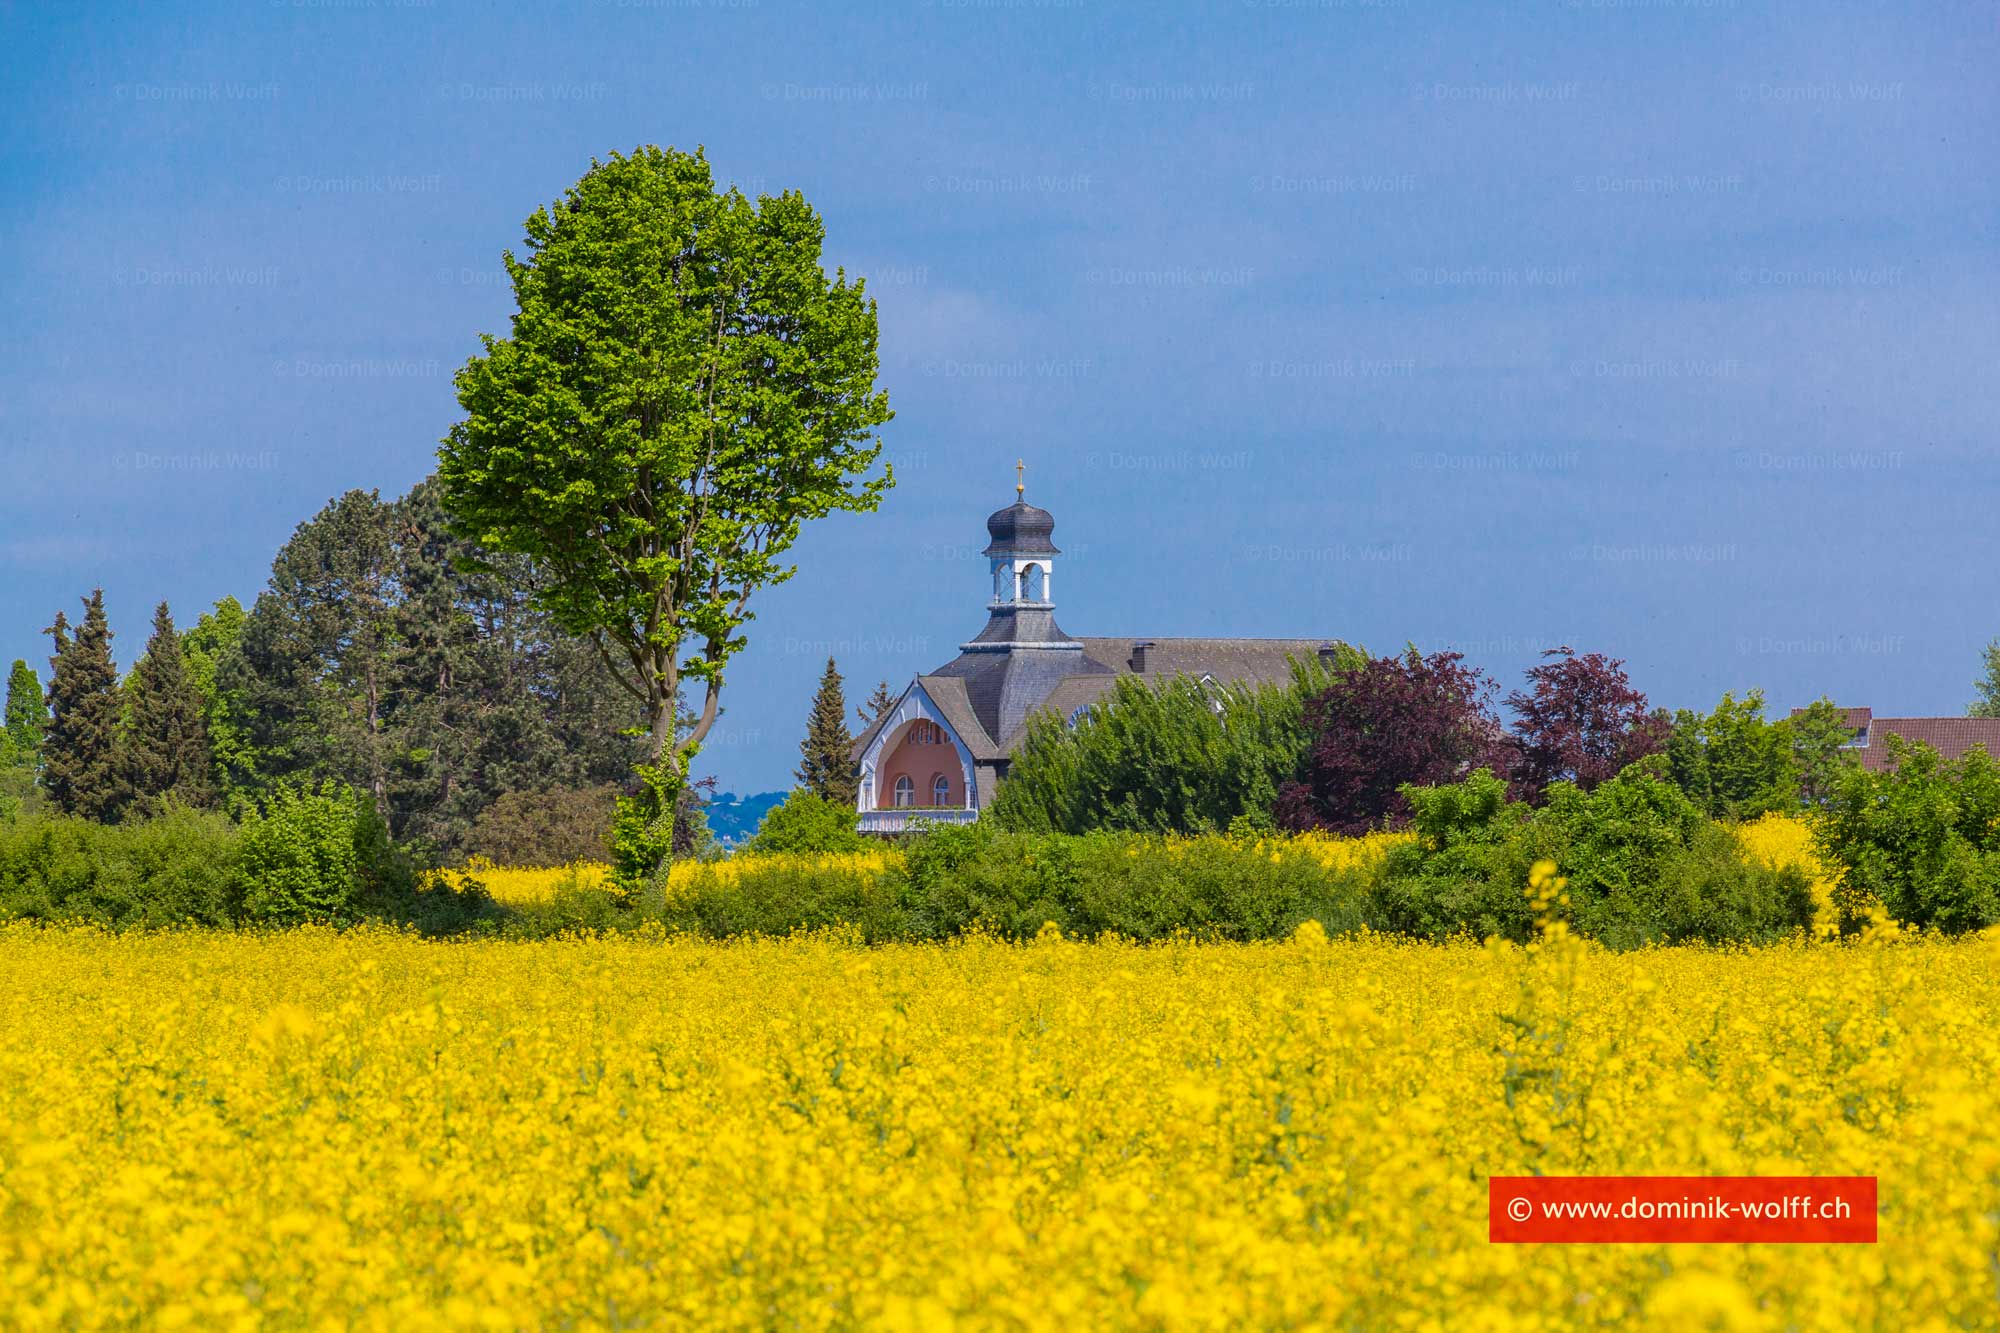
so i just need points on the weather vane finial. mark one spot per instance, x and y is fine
(1020, 479)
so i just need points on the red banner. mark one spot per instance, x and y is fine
(1680, 1209)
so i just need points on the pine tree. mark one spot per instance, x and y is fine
(80, 751)
(878, 704)
(827, 766)
(27, 711)
(166, 754)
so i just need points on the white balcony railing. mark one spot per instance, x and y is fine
(901, 819)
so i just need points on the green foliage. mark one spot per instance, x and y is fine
(1988, 684)
(809, 823)
(1732, 763)
(682, 389)
(165, 755)
(27, 718)
(554, 827)
(1820, 754)
(879, 703)
(379, 658)
(80, 768)
(1644, 865)
(21, 743)
(317, 853)
(1179, 757)
(826, 761)
(1922, 838)
(181, 868)
(205, 648)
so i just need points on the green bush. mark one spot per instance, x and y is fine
(749, 899)
(1923, 838)
(808, 824)
(318, 854)
(1644, 865)
(179, 868)
(1138, 886)
(551, 827)
(1179, 756)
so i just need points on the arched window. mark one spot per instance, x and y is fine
(1003, 583)
(940, 790)
(906, 792)
(1032, 584)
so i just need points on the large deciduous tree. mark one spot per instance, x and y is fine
(1381, 724)
(166, 755)
(207, 648)
(80, 770)
(682, 388)
(1732, 762)
(1579, 721)
(826, 764)
(1821, 754)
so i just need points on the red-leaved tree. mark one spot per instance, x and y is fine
(1394, 720)
(1580, 721)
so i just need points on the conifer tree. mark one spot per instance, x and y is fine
(80, 751)
(166, 754)
(827, 766)
(27, 712)
(878, 703)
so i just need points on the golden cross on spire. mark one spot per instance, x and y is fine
(1020, 479)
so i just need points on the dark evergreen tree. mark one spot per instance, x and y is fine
(165, 755)
(27, 711)
(878, 704)
(826, 764)
(80, 770)
(400, 659)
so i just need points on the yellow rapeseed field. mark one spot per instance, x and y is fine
(363, 1129)
(523, 885)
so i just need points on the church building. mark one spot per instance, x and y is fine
(941, 751)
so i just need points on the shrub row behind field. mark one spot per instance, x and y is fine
(1644, 866)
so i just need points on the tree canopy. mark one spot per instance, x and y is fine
(682, 389)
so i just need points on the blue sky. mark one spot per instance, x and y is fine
(1667, 329)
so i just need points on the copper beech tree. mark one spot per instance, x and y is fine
(682, 388)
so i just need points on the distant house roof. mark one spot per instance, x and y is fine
(1951, 737)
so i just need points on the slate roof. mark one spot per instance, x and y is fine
(1021, 529)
